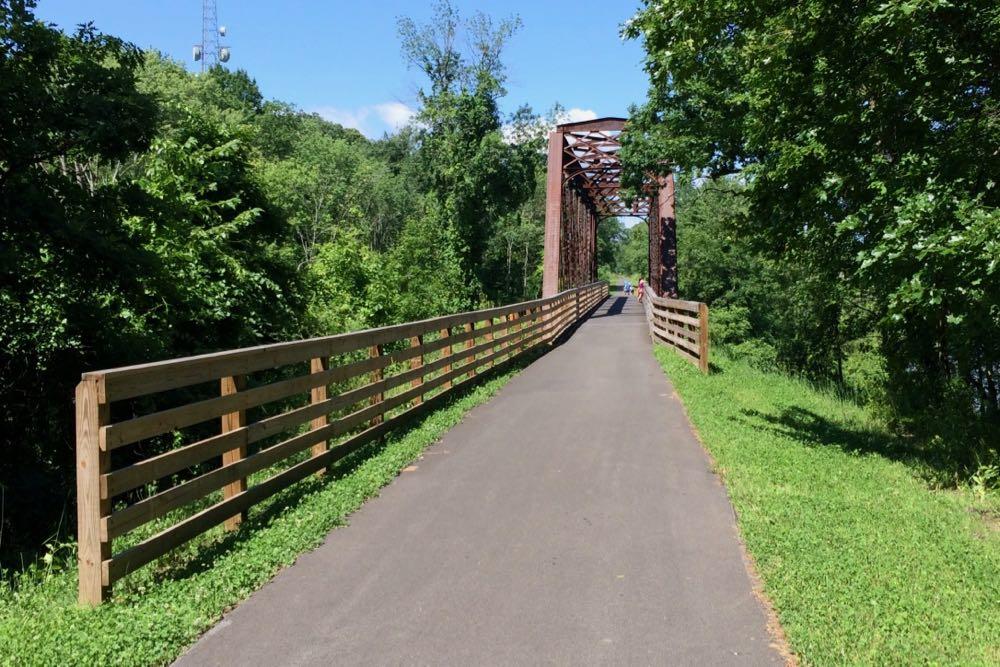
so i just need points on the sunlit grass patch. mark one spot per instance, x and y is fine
(865, 563)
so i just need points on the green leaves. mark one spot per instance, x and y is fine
(867, 135)
(479, 180)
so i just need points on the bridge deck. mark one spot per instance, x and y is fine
(571, 520)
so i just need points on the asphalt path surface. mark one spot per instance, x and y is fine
(572, 520)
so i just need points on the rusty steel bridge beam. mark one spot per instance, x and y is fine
(553, 215)
(582, 187)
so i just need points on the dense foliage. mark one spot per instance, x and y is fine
(147, 213)
(861, 234)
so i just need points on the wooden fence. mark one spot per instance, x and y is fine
(681, 324)
(155, 472)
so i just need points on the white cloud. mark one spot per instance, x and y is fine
(576, 114)
(371, 120)
(347, 117)
(395, 114)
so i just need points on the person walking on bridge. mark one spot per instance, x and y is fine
(627, 287)
(640, 289)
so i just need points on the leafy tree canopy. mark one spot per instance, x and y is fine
(867, 135)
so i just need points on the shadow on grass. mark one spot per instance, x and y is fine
(935, 464)
(263, 514)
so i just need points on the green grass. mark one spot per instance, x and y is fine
(864, 562)
(160, 610)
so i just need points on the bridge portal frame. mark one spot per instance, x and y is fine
(583, 186)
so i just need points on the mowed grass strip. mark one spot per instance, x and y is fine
(864, 562)
(160, 610)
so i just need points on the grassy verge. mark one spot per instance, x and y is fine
(864, 562)
(157, 612)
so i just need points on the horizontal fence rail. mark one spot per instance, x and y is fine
(171, 449)
(682, 325)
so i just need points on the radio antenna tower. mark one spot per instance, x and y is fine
(210, 53)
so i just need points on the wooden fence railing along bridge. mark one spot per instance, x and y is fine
(140, 466)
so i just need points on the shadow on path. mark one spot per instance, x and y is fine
(616, 308)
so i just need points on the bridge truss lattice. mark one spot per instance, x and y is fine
(583, 186)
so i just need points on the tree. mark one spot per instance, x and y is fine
(633, 253)
(70, 107)
(132, 229)
(422, 276)
(475, 176)
(866, 136)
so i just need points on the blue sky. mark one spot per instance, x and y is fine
(342, 59)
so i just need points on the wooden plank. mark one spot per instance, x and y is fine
(564, 318)
(165, 464)
(677, 341)
(681, 332)
(676, 317)
(157, 467)
(234, 421)
(145, 552)
(416, 364)
(185, 493)
(511, 322)
(141, 379)
(681, 351)
(91, 463)
(556, 313)
(523, 317)
(318, 395)
(278, 423)
(684, 353)
(679, 304)
(123, 433)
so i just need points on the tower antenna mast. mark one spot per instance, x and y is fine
(209, 52)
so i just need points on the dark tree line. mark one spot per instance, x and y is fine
(149, 213)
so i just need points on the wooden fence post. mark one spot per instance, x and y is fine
(489, 339)
(703, 337)
(446, 352)
(91, 505)
(233, 421)
(508, 333)
(318, 395)
(417, 362)
(374, 352)
(470, 327)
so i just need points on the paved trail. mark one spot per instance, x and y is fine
(571, 520)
